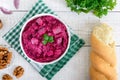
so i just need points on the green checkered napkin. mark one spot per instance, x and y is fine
(47, 71)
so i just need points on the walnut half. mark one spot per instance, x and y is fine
(7, 77)
(1, 25)
(5, 57)
(18, 71)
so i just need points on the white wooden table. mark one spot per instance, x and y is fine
(77, 68)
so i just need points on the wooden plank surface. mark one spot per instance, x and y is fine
(77, 67)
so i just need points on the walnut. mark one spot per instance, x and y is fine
(5, 57)
(18, 71)
(7, 77)
(1, 25)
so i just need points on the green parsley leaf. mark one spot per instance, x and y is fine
(44, 42)
(51, 39)
(47, 39)
(98, 7)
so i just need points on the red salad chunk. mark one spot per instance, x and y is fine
(44, 39)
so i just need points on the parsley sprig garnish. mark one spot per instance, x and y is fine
(47, 39)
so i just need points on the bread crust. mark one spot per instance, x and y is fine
(103, 60)
(105, 51)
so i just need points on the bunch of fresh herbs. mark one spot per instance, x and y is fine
(98, 7)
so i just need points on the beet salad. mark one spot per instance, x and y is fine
(45, 39)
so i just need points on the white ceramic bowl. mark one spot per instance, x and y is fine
(34, 17)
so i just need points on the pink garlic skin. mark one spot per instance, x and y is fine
(16, 3)
(5, 11)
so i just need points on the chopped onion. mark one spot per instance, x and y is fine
(16, 3)
(5, 11)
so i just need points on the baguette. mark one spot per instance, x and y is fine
(103, 55)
